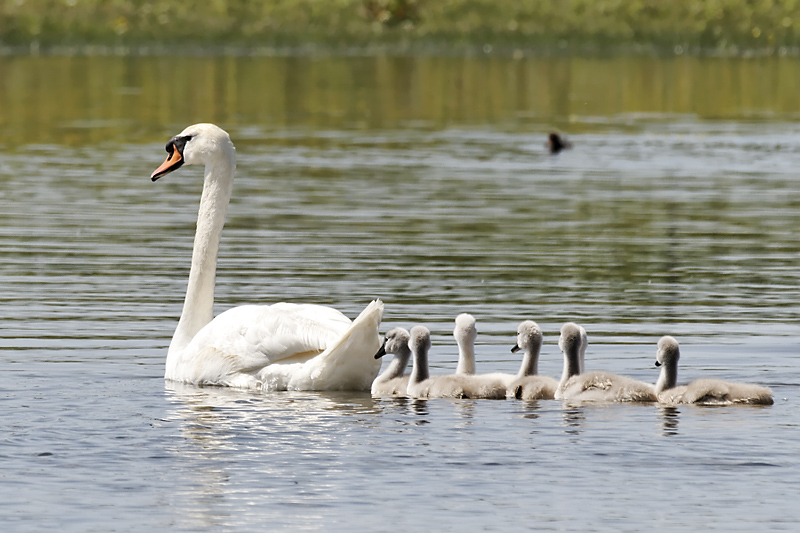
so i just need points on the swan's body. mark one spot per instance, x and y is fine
(527, 384)
(422, 385)
(701, 391)
(595, 385)
(280, 346)
(393, 381)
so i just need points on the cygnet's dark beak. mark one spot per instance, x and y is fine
(382, 351)
(657, 363)
(515, 348)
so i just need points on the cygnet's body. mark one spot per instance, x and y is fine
(595, 385)
(393, 381)
(701, 391)
(527, 384)
(422, 385)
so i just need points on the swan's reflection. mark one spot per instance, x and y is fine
(236, 448)
(532, 408)
(573, 416)
(671, 417)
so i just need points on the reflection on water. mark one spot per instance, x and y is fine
(574, 418)
(89, 100)
(671, 417)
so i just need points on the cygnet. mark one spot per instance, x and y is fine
(701, 391)
(393, 382)
(595, 385)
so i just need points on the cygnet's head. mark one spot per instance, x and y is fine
(570, 338)
(465, 329)
(198, 144)
(529, 336)
(668, 351)
(396, 340)
(420, 339)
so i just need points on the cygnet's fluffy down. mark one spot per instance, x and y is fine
(422, 385)
(393, 381)
(527, 384)
(701, 391)
(596, 385)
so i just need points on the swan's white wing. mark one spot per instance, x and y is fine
(247, 338)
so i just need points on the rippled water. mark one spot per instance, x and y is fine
(656, 223)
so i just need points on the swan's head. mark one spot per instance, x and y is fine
(570, 338)
(395, 340)
(529, 337)
(465, 329)
(668, 351)
(420, 339)
(201, 144)
(584, 339)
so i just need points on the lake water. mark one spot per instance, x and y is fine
(423, 181)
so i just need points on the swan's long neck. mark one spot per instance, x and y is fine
(668, 377)
(198, 307)
(420, 371)
(398, 365)
(530, 361)
(572, 363)
(466, 357)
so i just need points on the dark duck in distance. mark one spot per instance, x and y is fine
(555, 143)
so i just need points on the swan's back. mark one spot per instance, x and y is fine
(717, 392)
(532, 388)
(461, 386)
(607, 387)
(390, 387)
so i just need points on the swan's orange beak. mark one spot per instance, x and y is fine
(173, 161)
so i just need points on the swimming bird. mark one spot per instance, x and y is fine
(555, 143)
(594, 385)
(422, 385)
(393, 381)
(279, 346)
(527, 384)
(701, 391)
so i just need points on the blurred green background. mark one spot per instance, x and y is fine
(515, 26)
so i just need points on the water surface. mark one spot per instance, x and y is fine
(422, 181)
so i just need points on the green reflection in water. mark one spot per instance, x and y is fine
(86, 100)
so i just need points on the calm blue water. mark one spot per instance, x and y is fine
(652, 225)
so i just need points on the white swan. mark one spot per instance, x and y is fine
(701, 391)
(281, 346)
(527, 384)
(393, 381)
(595, 385)
(422, 385)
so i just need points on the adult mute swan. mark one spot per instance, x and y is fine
(280, 346)
(393, 381)
(527, 384)
(701, 391)
(422, 385)
(595, 385)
